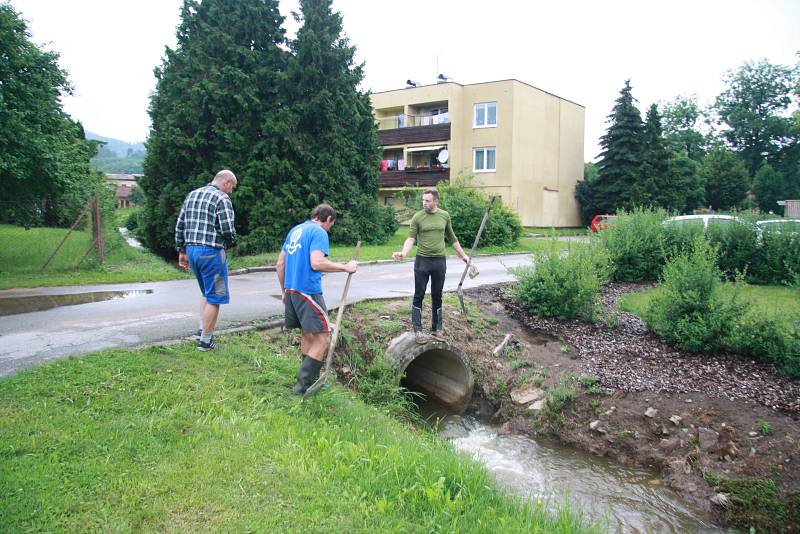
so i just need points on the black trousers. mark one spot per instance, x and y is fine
(434, 269)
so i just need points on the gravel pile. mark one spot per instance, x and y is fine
(628, 357)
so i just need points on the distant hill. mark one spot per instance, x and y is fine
(117, 156)
(119, 147)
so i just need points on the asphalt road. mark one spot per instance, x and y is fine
(170, 311)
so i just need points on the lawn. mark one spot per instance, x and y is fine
(783, 302)
(24, 252)
(169, 439)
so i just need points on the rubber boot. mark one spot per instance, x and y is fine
(437, 325)
(307, 374)
(416, 318)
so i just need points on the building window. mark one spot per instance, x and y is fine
(485, 115)
(484, 159)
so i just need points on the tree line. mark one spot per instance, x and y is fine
(44, 156)
(740, 152)
(286, 115)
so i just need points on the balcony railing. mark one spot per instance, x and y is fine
(422, 177)
(411, 121)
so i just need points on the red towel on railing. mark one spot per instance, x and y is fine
(384, 165)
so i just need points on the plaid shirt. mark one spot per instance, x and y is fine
(206, 218)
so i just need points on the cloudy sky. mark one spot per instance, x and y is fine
(579, 50)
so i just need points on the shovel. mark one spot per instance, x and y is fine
(323, 379)
(471, 269)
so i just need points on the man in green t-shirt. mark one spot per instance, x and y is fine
(430, 227)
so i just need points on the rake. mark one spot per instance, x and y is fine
(471, 269)
(323, 379)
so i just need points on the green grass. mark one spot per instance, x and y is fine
(24, 252)
(782, 302)
(172, 440)
(558, 232)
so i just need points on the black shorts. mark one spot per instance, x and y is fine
(306, 312)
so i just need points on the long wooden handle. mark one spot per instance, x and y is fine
(340, 312)
(477, 238)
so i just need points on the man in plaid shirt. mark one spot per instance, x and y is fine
(203, 231)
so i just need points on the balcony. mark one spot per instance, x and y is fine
(423, 177)
(414, 134)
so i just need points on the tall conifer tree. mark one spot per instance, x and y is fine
(621, 157)
(215, 106)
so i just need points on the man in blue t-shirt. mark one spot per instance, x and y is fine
(303, 259)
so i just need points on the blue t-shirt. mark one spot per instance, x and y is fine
(302, 240)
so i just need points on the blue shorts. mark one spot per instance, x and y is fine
(210, 267)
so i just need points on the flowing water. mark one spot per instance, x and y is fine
(617, 497)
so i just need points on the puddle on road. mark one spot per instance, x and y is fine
(15, 305)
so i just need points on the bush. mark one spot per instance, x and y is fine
(763, 338)
(367, 221)
(737, 243)
(635, 244)
(564, 286)
(679, 239)
(466, 206)
(780, 257)
(690, 310)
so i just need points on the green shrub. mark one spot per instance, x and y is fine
(378, 386)
(780, 257)
(635, 244)
(737, 244)
(690, 310)
(761, 337)
(466, 206)
(679, 238)
(564, 286)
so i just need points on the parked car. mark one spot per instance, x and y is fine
(703, 219)
(779, 225)
(601, 221)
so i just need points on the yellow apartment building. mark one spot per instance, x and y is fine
(519, 142)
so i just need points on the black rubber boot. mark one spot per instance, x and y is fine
(416, 318)
(307, 374)
(437, 321)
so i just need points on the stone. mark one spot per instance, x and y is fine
(610, 411)
(536, 406)
(664, 431)
(650, 412)
(526, 394)
(707, 438)
(752, 434)
(595, 425)
(676, 420)
(669, 445)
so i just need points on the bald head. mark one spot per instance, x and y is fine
(225, 180)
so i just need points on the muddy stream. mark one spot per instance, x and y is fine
(617, 497)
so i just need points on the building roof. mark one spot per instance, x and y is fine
(480, 83)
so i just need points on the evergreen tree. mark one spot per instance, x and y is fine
(332, 146)
(726, 178)
(216, 105)
(655, 185)
(621, 157)
(44, 156)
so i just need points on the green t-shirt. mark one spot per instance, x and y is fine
(430, 230)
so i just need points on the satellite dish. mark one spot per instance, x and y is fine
(443, 155)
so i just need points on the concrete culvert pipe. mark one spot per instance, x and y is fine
(437, 369)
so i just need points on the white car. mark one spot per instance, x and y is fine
(704, 219)
(779, 225)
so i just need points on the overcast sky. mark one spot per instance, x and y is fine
(579, 50)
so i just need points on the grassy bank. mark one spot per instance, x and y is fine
(24, 252)
(169, 439)
(782, 302)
